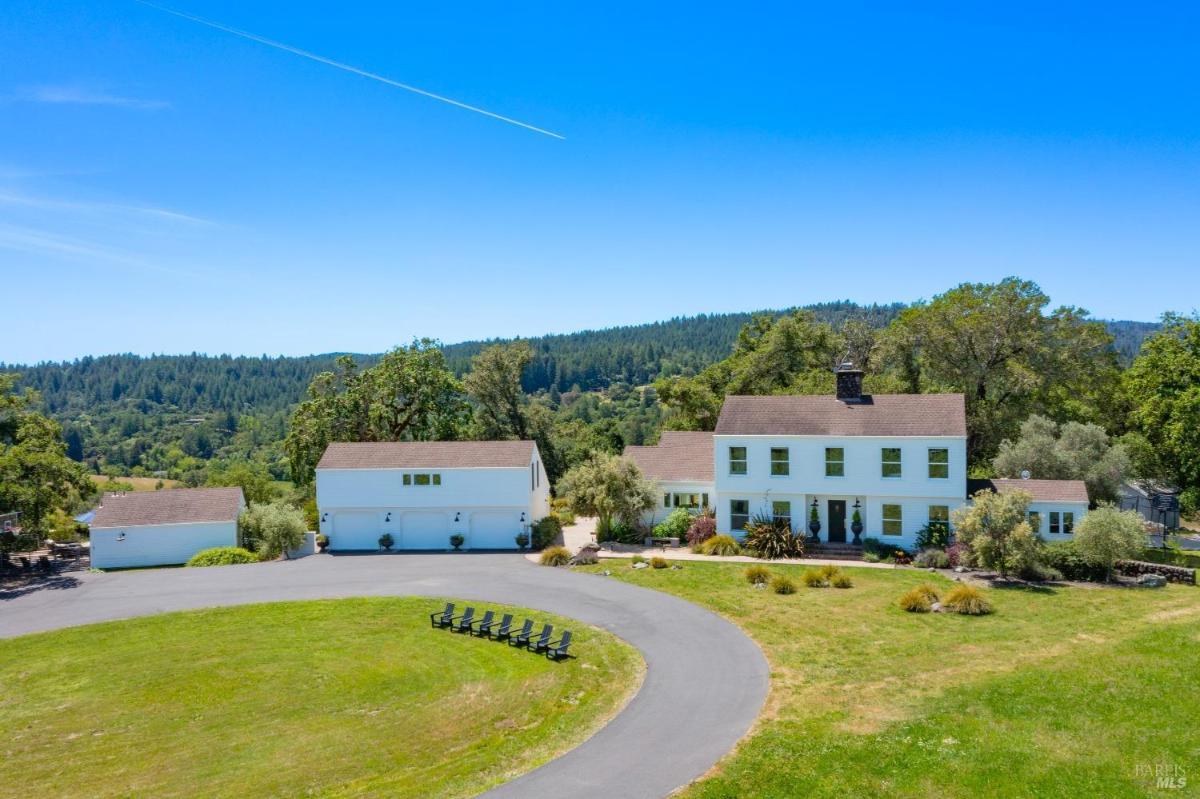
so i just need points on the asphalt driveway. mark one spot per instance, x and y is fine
(705, 680)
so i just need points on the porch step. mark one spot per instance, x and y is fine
(834, 551)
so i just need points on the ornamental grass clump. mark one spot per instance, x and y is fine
(842, 580)
(967, 600)
(658, 563)
(782, 584)
(917, 601)
(720, 545)
(555, 556)
(813, 578)
(772, 539)
(758, 574)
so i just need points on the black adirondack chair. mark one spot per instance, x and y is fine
(522, 636)
(437, 620)
(542, 642)
(462, 624)
(481, 626)
(504, 630)
(557, 650)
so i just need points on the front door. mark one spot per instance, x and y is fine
(837, 521)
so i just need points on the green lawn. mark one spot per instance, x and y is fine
(1063, 692)
(351, 697)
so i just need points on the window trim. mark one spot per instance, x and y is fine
(786, 463)
(744, 461)
(884, 463)
(840, 462)
(1055, 522)
(745, 516)
(931, 464)
(885, 520)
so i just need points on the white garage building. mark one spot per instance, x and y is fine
(163, 528)
(423, 492)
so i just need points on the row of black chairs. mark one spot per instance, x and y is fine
(503, 629)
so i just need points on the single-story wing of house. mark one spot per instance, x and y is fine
(682, 467)
(163, 528)
(1057, 506)
(423, 492)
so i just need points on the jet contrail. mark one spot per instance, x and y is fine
(323, 60)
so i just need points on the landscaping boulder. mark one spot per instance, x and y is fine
(1152, 581)
(641, 565)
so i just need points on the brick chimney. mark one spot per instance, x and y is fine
(849, 382)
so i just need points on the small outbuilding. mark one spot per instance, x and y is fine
(423, 492)
(1057, 505)
(163, 528)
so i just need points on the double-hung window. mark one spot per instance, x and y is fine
(779, 461)
(667, 500)
(737, 460)
(782, 512)
(890, 460)
(939, 463)
(893, 520)
(835, 462)
(739, 513)
(1068, 522)
(939, 516)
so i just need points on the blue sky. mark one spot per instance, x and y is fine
(166, 187)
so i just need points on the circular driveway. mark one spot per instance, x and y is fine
(705, 681)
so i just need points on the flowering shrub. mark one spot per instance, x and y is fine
(703, 528)
(959, 555)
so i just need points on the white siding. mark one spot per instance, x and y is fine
(1043, 510)
(157, 545)
(369, 502)
(660, 512)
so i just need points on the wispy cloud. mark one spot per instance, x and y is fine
(40, 242)
(86, 207)
(79, 95)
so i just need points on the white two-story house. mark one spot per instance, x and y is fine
(896, 461)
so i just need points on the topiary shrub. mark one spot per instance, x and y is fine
(222, 556)
(772, 539)
(386, 541)
(720, 545)
(545, 532)
(916, 601)
(555, 556)
(676, 525)
(967, 600)
(758, 574)
(842, 580)
(782, 584)
(703, 528)
(932, 559)
(457, 541)
(658, 563)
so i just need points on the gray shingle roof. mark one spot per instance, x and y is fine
(679, 456)
(1040, 490)
(169, 506)
(821, 415)
(427, 455)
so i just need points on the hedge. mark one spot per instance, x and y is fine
(1173, 557)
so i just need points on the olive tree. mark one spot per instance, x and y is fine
(1106, 535)
(995, 528)
(608, 487)
(273, 529)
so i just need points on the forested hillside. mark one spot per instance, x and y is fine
(169, 412)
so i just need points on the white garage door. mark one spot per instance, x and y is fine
(494, 530)
(424, 531)
(355, 531)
